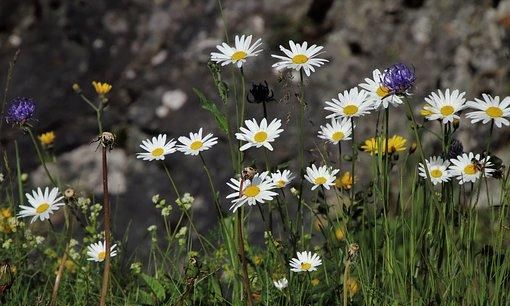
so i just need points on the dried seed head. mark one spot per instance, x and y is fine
(107, 140)
(69, 193)
(352, 252)
(249, 173)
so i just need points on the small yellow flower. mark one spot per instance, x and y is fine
(6, 212)
(396, 143)
(47, 138)
(257, 260)
(370, 146)
(315, 282)
(101, 88)
(425, 111)
(70, 266)
(340, 233)
(353, 286)
(344, 181)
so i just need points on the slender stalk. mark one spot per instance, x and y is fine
(353, 166)
(346, 276)
(40, 156)
(58, 278)
(10, 72)
(386, 158)
(340, 156)
(106, 204)
(18, 173)
(242, 254)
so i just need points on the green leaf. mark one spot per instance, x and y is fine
(155, 286)
(213, 109)
(221, 86)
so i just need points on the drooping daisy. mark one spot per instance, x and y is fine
(322, 176)
(97, 251)
(490, 109)
(42, 204)
(236, 55)
(444, 106)
(157, 148)
(195, 143)
(351, 103)
(282, 179)
(259, 135)
(300, 56)
(281, 283)
(378, 94)
(468, 167)
(256, 190)
(336, 131)
(437, 170)
(305, 262)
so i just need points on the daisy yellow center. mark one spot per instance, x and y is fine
(337, 136)
(101, 255)
(447, 110)
(470, 169)
(238, 55)
(157, 152)
(260, 136)
(280, 183)
(382, 91)
(350, 110)
(42, 208)
(320, 180)
(305, 266)
(494, 112)
(251, 191)
(195, 145)
(436, 173)
(299, 59)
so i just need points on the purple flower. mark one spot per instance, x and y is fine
(21, 110)
(398, 78)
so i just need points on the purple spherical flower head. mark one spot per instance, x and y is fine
(21, 110)
(398, 78)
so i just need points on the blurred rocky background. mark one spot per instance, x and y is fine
(154, 52)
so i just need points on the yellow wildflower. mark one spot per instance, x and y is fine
(396, 143)
(6, 212)
(370, 146)
(353, 286)
(70, 266)
(344, 181)
(340, 233)
(257, 260)
(101, 88)
(47, 138)
(315, 282)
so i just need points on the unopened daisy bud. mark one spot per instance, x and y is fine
(76, 88)
(456, 123)
(24, 177)
(294, 192)
(101, 88)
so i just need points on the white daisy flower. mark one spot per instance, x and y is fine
(282, 179)
(468, 167)
(42, 204)
(259, 135)
(281, 283)
(352, 103)
(257, 190)
(490, 109)
(300, 56)
(437, 170)
(322, 176)
(97, 251)
(305, 262)
(237, 55)
(444, 106)
(196, 143)
(336, 131)
(157, 148)
(378, 94)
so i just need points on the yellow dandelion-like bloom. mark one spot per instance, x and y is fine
(344, 181)
(6, 212)
(396, 143)
(370, 146)
(101, 88)
(47, 138)
(353, 286)
(257, 260)
(315, 282)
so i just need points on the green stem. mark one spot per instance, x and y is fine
(39, 155)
